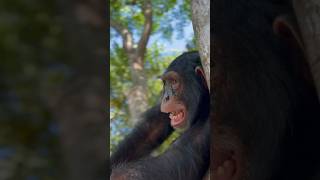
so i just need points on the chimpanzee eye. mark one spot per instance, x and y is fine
(174, 84)
(174, 81)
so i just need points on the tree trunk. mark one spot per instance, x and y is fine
(308, 16)
(137, 96)
(80, 104)
(201, 26)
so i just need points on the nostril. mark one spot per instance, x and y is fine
(167, 98)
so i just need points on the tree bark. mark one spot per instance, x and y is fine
(308, 16)
(80, 104)
(137, 95)
(201, 26)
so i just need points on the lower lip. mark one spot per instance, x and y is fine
(178, 124)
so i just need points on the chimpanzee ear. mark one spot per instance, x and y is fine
(287, 28)
(199, 71)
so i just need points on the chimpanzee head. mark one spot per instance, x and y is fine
(266, 112)
(185, 93)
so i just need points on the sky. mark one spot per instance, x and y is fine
(176, 44)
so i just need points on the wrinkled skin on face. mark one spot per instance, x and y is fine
(171, 101)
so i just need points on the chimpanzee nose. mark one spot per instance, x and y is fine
(167, 98)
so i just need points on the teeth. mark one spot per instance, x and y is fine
(171, 116)
(175, 115)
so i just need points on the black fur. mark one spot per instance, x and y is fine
(264, 91)
(188, 157)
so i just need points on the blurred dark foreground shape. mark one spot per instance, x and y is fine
(53, 120)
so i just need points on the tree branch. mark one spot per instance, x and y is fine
(147, 11)
(116, 26)
(127, 39)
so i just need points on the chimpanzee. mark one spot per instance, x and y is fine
(184, 105)
(266, 114)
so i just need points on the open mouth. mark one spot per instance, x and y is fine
(177, 112)
(177, 118)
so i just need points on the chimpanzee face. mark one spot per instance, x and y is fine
(183, 96)
(172, 102)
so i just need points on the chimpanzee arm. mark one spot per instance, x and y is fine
(188, 158)
(150, 132)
